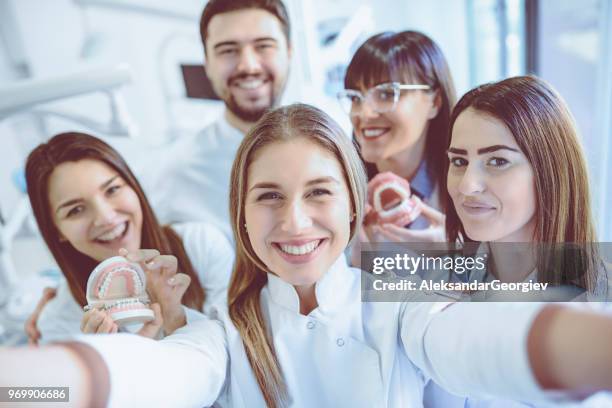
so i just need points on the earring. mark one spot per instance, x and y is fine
(245, 228)
(353, 216)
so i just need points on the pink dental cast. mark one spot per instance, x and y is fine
(389, 196)
(118, 286)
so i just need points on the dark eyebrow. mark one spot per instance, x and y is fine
(457, 151)
(261, 39)
(78, 200)
(225, 43)
(495, 148)
(235, 43)
(319, 180)
(68, 203)
(484, 150)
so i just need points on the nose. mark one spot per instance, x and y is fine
(295, 218)
(472, 182)
(104, 213)
(366, 110)
(249, 60)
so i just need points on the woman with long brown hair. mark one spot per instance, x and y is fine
(88, 205)
(297, 332)
(517, 179)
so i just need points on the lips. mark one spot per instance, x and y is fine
(116, 233)
(477, 208)
(249, 83)
(299, 251)
(371, 133)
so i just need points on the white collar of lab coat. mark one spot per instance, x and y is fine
(332, 290)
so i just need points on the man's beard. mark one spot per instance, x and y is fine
(253, 114)
(248, 114)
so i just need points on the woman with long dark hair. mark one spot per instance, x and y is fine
(399, 94)
(517, 181)
(88, 205)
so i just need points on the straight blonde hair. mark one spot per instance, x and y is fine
(250, 273)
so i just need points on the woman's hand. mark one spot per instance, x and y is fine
(31, 324)
(98, 321)
(393, 233)
(164, 285)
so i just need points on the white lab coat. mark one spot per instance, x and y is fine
(192, 180)
(211, 256)
(344, 353)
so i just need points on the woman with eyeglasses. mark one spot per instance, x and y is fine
(399, 94)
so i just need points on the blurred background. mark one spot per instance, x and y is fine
(131, 71)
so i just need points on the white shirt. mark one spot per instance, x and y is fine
(211, 256)
(344, 353)
(193, 184)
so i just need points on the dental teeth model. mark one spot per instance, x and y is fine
(118, 286)
(389, 196)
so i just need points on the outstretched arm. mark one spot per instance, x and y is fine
(571, 349)
(73, 365)
(510, 350)
(187, 368)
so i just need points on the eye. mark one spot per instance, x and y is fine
(271, 195)
(385, 95)
(355, 99)
(74, 211)
(113, 189)
(265, 46)
(498, 162)
(318, 192)
(458, 162)
(227, 51)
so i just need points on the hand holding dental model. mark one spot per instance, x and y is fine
(116, 296)
(390, 198)
(118, 286)
(390, 207)
(163, 283)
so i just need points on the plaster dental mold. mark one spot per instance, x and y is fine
(119, 287)
(390, 198)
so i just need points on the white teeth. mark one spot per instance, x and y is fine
(251, 84)
(300, 250)
(114, 233)
(138, 285)
(373, 132)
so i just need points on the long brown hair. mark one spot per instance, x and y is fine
(250, 273)
(544, 130)
(76, 266)
(404, 57)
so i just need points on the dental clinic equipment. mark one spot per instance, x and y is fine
(26, 95)
(178, 58)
